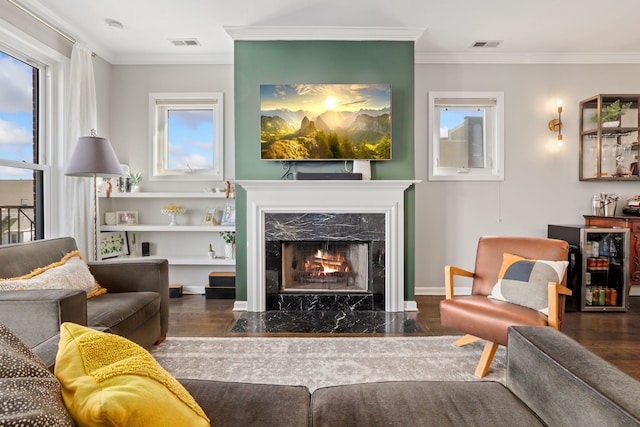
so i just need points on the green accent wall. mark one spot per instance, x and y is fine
(290, 62)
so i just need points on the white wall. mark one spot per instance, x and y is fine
(128, 96)
(129, 105)
(540, 187)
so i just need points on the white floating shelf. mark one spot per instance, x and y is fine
(142, 227)
(188, 259)
(152, 195)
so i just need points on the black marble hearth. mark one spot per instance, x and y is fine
(355, 322)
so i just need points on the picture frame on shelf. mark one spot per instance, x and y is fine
(229, 215)
(127, 217)
(210, 216)
(113, 244)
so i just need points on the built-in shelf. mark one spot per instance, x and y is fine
(143, 227)
(184, 245)
(190, 259)
(154, 195)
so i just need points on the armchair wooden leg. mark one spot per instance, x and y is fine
(489, 351)
(467, 339)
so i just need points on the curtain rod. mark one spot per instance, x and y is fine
(42, 21)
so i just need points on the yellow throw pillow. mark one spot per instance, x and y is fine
(71, 272)
(108, 380)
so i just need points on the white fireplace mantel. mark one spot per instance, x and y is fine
(370, 196)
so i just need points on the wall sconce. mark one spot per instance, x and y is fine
(555, 125)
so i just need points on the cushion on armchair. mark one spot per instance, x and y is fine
(525, 282)
(29, 393)
(71, 272)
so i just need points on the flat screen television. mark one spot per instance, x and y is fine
(312, 122)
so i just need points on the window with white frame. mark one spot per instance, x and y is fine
(187, 136)
(22, 168)
(466, 133)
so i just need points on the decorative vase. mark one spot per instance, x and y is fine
(229, 250)
(172, 211)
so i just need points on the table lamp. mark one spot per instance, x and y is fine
(93, 157)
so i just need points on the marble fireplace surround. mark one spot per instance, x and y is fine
(370, 196)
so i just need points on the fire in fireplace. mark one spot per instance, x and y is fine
(325, 266)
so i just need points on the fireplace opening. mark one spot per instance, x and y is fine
(312, 266)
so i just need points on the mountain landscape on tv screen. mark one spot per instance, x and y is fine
(338, 132)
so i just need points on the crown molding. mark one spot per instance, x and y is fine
(226, 58)
(257, 33)
(527, 58)
(174, 59)
(60, 25)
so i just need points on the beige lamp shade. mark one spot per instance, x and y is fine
(94, 156)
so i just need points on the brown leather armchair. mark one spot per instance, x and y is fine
(481, 317)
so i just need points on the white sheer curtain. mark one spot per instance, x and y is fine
(81, 119)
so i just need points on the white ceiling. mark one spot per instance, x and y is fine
(545, 31)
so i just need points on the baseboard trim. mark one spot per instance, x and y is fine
(425, 290)
(410, 306)
(240, 306)
(439, 290)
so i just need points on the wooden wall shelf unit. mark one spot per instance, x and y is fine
(609, 150)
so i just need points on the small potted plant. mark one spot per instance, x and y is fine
(229, 238)
(610, 114)
(135, 179)
(211, 253)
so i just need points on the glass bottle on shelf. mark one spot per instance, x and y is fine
(604, 248)
(613, 251)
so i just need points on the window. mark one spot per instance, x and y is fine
(466, 136)
(187, 136)
(21, 171)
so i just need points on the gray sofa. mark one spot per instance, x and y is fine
(551, 380)
(136, 305)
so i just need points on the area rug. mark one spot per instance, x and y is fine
(324, 361)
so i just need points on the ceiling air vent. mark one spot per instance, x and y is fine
(486, 43)
(185, 42)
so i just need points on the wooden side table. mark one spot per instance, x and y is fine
(633, 224)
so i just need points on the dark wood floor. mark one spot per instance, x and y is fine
(614, 336)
